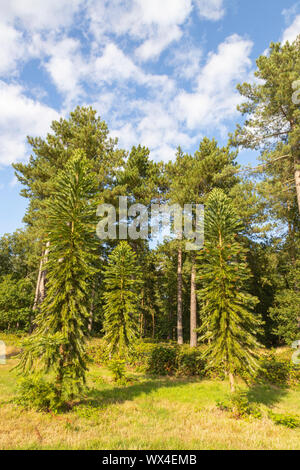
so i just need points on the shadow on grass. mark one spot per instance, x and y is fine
(266, 394)
(116, 394)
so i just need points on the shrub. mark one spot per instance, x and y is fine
(141, 354)
(278, 371)
(274, 370)
(118, 369)
(190, 362)
(240, 406)
(163, 360)
(289, 421)
(170, 359)
(98, 352)
(35, 393)
(155, 358)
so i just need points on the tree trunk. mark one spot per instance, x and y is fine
(179, 297)
(153, 322)
(90, 325)
(193, 313)
(142, 317)
(37, 290)
(231, 380)
(40, 285)
(297, 181)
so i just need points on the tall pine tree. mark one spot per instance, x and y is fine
(58, 341)
(122, 280)
(229, 326)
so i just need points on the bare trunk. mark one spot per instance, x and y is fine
(90, 325)
(153, 323)
(37, 290)
(40, 285)
(231, 380)
(193, 317)
(179, 297)
(141, 324)
(297, 181)
(142, 318)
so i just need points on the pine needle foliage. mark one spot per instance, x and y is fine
(122, 279)
(229, 326)
(58, 342)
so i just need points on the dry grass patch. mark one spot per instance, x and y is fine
(148, 414)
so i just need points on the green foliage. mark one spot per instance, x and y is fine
(58, 341)
(190, 362)
(36, 393)
(240, 406)
(82, 130)
(155, 358)
(122, 279)
(162, 360)
(228, 324)
(167, 359)
(98, 352)
(287, 420)
(16, 299)
(272, 125)
(118, 368)
(285, 311)
(18, 265)
(278, 370)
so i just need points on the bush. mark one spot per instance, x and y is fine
(289, 421)
(97, 352)
(118, 369)
(35, 393)
(155, 358)
(240, 406)
(141, 354)
(190, 362)
(170, 359)
(163, 360)
(278, 371)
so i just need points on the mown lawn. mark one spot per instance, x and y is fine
(162, 413)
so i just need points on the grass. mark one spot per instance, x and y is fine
(156, 414)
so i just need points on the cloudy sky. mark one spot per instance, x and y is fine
(160, 72)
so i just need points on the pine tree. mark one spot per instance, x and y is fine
(272, 118)
(286, 309)
(228, 325)
(58, 341)
(84, 130)
(122, 280)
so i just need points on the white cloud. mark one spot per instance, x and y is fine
(12, 48)
(215, 98)
(164, 13)
(292, 31)
(126, 134)
(155, 24)
(289, 13)
(156, 128)
(210, 9)
(113, 65)
(67, 67)
(153, 47)
(185, 61)
(20, 116)
(109, 71)
(38, 15)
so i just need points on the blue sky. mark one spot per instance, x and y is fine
(161, 73)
